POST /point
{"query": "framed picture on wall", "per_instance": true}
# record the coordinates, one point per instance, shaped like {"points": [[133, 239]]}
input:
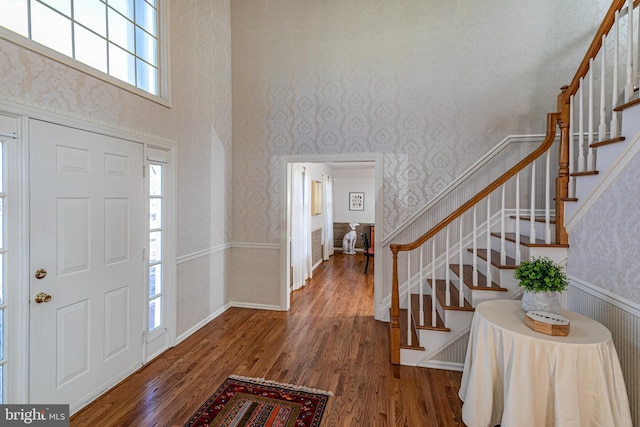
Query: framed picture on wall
{"points": [[356, 201], [316, 198]]}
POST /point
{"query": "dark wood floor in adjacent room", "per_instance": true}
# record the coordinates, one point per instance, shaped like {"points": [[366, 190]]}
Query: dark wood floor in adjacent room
{"points": [[328, 340]]}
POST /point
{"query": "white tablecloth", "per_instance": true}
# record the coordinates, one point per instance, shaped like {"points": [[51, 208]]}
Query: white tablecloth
{"points": [[516, 377]]}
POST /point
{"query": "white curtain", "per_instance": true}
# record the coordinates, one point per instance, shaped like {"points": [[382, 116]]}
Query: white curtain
{"points": [[300, 226], [327, 217]]}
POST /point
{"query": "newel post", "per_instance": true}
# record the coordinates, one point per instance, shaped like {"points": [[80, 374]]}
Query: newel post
{"points": [[394, 333], [562, 181]]}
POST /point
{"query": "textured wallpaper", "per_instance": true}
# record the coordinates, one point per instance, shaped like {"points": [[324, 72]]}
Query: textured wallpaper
{"points": [[431, 85], [199, 121], [605, 243]]}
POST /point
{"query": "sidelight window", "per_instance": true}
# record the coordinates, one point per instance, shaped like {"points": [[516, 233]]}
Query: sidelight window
{"points": [[156, 290]]}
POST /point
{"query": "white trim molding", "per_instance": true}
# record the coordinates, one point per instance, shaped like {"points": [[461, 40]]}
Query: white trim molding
{"points": [[203, 253], [603, 294], [186, 334], [255, 306]]}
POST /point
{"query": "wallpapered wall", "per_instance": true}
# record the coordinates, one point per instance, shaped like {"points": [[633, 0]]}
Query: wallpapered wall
{"points": [[604, 243], [432, 85], [199, 122]]}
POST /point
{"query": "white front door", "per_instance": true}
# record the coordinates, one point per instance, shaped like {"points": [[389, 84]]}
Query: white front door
{"points": [[87, 232]]}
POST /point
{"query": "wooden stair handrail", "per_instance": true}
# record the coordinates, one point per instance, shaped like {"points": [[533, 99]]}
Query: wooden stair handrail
{"points": [[552, 119], [596, 44], [560, 118], [394, 312]]}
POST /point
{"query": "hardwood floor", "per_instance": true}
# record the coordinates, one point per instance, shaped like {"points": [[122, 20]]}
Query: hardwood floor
{"points": [[328, 340]]}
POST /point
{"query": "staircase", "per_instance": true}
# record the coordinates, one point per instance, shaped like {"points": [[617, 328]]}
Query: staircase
{"points": [[470, 255]]}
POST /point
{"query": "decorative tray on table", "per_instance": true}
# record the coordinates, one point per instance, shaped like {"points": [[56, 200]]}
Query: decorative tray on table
{"points": [[547, 323]]}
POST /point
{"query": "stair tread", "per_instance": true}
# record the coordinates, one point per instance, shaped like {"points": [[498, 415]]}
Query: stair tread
{"points": [[607, 141], [467, 273], [585, 173], [536, 219], [524, 240], [627, 104], [403, 332], [441, 296], [427, 307], [495, 259]]}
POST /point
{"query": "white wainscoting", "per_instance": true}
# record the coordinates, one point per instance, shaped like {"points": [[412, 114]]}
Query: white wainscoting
{"points": [[622, 318]]}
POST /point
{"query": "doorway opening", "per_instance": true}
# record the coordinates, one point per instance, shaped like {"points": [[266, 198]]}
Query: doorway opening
{"points": [[359, 175]]}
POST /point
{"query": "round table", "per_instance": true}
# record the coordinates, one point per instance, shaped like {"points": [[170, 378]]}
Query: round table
{"points": [[515, 376]]}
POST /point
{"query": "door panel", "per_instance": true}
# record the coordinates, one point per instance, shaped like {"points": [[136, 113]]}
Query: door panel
{"points": [[87, 232]]}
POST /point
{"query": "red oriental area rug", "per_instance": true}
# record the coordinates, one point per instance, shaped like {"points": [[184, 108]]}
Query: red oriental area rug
{"points": [[255, 402]]}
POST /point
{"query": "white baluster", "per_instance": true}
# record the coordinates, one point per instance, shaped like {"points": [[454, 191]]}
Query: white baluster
{"points": [[488, 274], [517, 244], [572, 148], [628, 89], [421, 287], [547, 201], [447, 286], [581, 159], [503, 240], [613, 130], [637, 61], [460, 268], [409, 335], [590, 159], [602, 129], [475, 247], [532, 218], [433, 283]]}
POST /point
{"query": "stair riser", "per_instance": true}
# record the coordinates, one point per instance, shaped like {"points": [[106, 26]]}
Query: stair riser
{"points": [[501, 276], [631, 121], [457, 319], [585, 184], [525, 227], [510, 248], [475, 297], [435, 341], [607, 155], [558, 255]]}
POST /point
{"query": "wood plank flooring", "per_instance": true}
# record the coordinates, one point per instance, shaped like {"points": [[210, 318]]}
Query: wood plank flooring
{"points": [[328, 340]]}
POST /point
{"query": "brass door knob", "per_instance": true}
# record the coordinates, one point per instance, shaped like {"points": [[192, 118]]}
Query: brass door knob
{"points": [[42, 297], [41, 273]]}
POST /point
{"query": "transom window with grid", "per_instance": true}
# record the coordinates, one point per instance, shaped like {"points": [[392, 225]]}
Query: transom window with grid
{"points": [[117, 37]]}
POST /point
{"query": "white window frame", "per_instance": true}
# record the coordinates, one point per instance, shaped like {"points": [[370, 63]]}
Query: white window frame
{"points": [[16, 267], [5, 241], [158, 339], [163, 97]]}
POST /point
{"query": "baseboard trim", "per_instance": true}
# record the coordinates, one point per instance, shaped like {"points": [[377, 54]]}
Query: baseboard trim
{"points": [[186, 334], [255, 306], [437, 364]]}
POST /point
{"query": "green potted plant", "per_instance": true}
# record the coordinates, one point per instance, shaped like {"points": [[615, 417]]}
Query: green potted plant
{"points": [[542, 280]]}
